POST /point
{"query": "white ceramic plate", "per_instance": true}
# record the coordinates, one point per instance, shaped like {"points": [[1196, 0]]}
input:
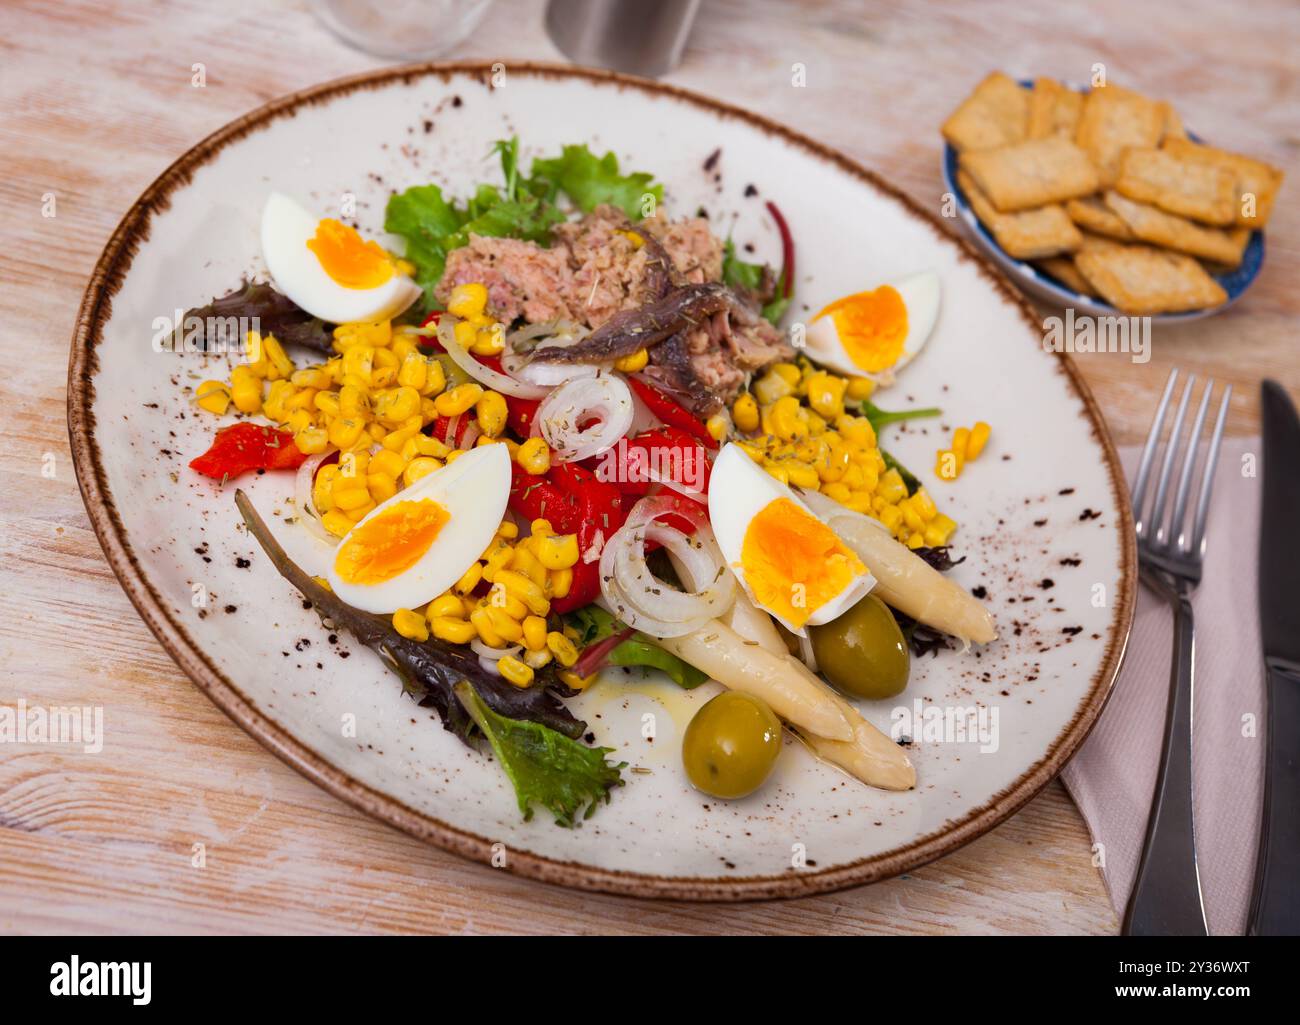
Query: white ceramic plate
{"points": [[1044, 517]]}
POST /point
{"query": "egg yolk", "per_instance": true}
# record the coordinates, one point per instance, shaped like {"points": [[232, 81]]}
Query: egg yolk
{"points": [[391, 543], [872, 327], [349, 259], [793, 563]]}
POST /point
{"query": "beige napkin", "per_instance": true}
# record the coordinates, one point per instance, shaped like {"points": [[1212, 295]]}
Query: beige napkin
{"points": [[1112, 778]]}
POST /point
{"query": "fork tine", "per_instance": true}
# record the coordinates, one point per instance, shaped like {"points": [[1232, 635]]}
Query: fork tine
{"points": [[1197, 545], [1177, 528], [1167, 465], [1149, 451]]}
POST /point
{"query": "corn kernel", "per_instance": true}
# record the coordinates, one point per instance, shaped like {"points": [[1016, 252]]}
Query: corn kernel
{"points": [[576, 682], [860, 388], [515, 671], [716, 425], [387, 462], [489, 341], [212, 396], [891, 516], [500, 598], [280, 364], [836, 491], [534, 456], [344, 432], [535, 658], [559, 551], [924, 504], [396, 406], [562, 648], [454, 631], [311, 440], [446, 604], [336, 522], [979, 437], [467, 300], [381, 486], [859, 501], [414, 371], [245, 389], [469, 579], [801, 475], [526, 590], [458, 400], [534, 632], [744, 411], [946, 465], [788, 372], [491, 412], [419, 467], [826, 393], [915, 541], [410, 625], [960, 439], [508, 529], [527, 564], [559, 583], [770, 387], [486, 632], [360, 513], [634, 362], [348, 495]]}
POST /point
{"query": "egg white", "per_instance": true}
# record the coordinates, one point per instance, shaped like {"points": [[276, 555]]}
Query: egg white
{"points": [[920, 294], [286, 229], [739, 489], [474, 490]]}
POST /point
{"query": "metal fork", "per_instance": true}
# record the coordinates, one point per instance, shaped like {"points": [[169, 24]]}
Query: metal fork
{"points": [[1166, 898]]}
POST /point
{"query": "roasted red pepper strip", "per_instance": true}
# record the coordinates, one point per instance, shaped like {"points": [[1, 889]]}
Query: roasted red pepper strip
{"points": [[786, 281], [242, 447], [574, 501], [665, 449], [520, 414], [671, 412]]}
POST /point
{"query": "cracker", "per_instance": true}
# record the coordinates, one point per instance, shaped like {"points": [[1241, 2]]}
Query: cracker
{"points": [[1026, 235], [1251, 176], [1063, 269], [1240, 238], [1053, 109], [1031, 173], [993, 115], [1143, 281], [1151, 224], [1113, 119], [1173, 124], [1190, 188], [1094, 215]]}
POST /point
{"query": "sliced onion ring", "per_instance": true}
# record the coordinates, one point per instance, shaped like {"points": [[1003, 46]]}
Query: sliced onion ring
{"points": [[641, 599], [561, 332], [606, 397], [485, 375], [486, 651], [303, 485]]}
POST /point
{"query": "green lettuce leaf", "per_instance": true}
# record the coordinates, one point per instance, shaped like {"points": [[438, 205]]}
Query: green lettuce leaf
{"points": [[564, 776], [640, 650], [595, 624], [751, 277], [423, 217], [589, 180]]}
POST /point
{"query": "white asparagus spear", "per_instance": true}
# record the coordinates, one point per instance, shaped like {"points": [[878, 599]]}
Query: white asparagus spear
{"points": [[904, 580], [794, 693], [870, 756]]}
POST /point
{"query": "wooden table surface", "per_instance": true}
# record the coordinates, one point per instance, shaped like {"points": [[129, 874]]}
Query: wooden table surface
{"points": [[98, 100]]}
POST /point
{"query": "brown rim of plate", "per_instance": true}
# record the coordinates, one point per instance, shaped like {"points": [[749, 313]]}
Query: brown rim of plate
{"points": [[109, 273]]}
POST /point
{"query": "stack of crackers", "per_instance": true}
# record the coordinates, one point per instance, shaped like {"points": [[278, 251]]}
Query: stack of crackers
{"points": [[1106, 193]]}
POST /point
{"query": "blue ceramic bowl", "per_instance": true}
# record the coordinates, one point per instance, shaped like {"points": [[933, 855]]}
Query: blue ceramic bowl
{"points": [[1045, 287]]}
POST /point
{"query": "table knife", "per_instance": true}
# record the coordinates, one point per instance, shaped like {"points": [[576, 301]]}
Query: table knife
{"points": [[1275, 909]]}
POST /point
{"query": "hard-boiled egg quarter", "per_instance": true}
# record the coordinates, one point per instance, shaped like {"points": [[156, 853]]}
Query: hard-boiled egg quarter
{"points": [[418, 543], [328, 269], [875, 334], [789, 562]]}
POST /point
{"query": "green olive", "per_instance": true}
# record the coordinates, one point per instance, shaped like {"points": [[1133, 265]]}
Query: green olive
{"points": [[863, 652], [451, 370], [731, 745]]}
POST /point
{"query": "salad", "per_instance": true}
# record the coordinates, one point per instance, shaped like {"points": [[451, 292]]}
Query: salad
{"points": [[561, 431]]}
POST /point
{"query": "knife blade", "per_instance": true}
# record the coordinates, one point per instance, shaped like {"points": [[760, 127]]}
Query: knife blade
{"points": [[1275, 908]]}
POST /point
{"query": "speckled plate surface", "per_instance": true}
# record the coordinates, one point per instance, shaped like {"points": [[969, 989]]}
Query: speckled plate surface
{"points": [[1044, 520]]}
